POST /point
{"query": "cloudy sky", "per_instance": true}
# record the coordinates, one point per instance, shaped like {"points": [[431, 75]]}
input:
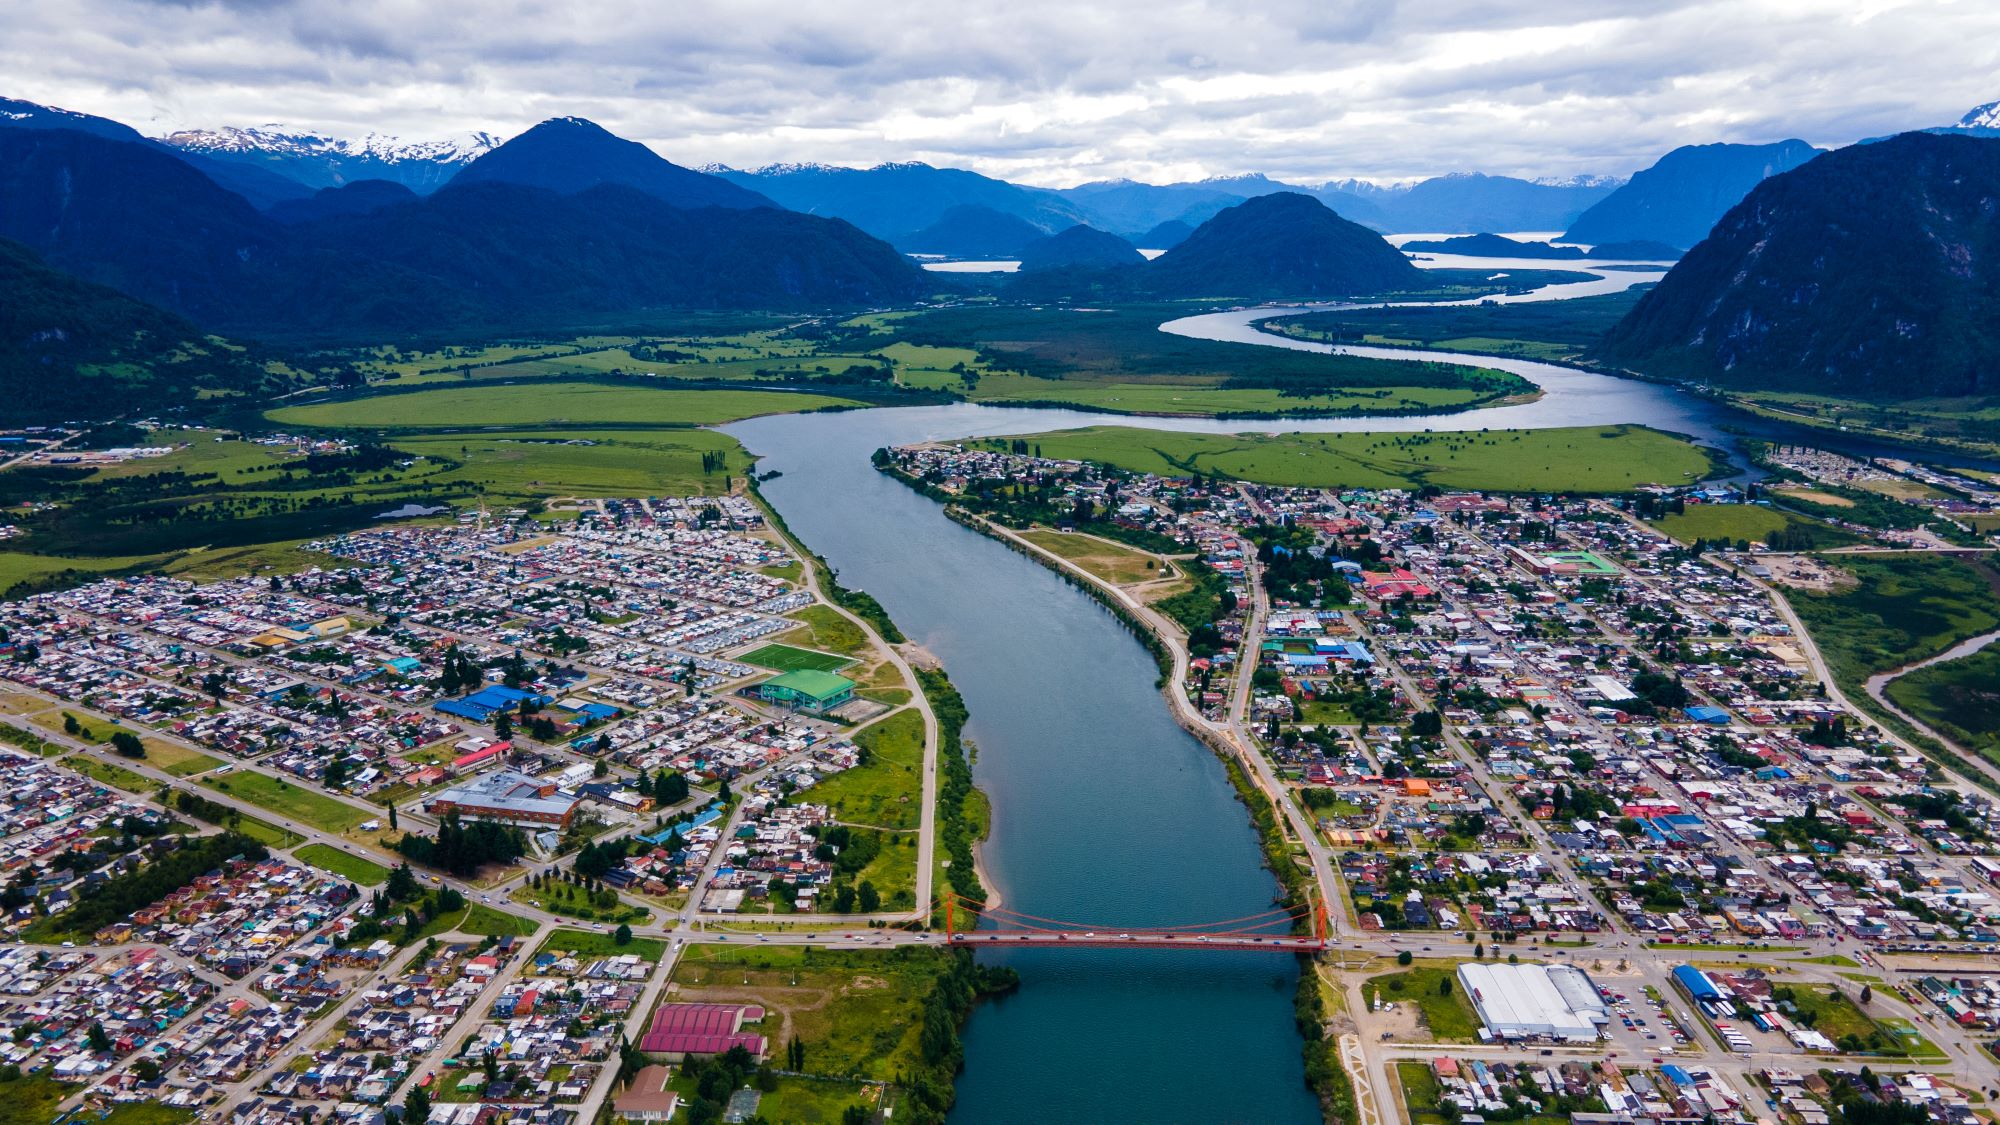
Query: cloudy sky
{"points": [[1053, 92]]}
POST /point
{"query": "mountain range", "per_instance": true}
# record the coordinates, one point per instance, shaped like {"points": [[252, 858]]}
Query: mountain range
{"points": [[320, 161], [1681, 196], [257, 185], [601, 237], [1871, 271]]}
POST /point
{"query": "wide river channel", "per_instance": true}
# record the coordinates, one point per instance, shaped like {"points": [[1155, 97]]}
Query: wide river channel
{"points": [[1104, 810]]}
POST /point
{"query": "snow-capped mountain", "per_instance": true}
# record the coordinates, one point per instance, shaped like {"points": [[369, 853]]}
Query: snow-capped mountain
{"points": [[1982, 117], [320, 161], [1579, 181]]}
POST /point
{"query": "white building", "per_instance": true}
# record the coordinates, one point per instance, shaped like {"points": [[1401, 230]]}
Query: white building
{"points": [[1535, 1001]]}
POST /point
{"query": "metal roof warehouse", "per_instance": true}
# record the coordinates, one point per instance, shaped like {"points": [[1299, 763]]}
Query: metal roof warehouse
{"points": [[1535, 1001]]}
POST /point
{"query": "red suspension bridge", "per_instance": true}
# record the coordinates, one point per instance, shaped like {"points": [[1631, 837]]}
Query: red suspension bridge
{"points": [[1282, 929]]}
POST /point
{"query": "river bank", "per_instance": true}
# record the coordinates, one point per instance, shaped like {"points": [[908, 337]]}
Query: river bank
{"points": [[1105, 811], [1325, 1073]]}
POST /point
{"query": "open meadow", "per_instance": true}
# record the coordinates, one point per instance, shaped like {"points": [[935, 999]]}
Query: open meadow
{"points": [[1581, 459]]}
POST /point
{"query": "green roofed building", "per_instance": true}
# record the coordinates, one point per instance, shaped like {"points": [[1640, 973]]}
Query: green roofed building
{"points": [[807, 690]]}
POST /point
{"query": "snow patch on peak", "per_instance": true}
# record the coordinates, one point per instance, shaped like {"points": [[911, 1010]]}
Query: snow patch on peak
{"points": [[284, 140], [794, 168], [1583, 181], [1982, 117]]}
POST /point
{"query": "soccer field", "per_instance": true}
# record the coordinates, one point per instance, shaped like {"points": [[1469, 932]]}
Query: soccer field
{"points": [[785, 658]]}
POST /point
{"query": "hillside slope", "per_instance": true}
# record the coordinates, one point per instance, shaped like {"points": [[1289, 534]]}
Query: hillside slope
{"points": [[1681, 196], [1871, 271], [1282, 245], [568, 155], [71, 349]]}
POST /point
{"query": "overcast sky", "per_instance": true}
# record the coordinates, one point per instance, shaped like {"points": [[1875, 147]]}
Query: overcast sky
{"points": [[1052, 92]]}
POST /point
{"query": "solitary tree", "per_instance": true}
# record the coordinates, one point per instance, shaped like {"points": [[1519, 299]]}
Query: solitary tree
{"points": [[417, 1106], [1404, 957]]}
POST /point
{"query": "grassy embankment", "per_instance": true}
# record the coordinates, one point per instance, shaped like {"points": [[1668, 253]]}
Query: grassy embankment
{"points": [[1579, 459], [1113, 562]]}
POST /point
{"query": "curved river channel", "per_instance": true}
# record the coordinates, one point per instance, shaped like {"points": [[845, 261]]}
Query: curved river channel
{"points": [[1105, 811]]}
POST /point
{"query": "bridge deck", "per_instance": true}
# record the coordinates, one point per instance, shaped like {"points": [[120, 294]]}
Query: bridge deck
{"points": [[1258, 943]]}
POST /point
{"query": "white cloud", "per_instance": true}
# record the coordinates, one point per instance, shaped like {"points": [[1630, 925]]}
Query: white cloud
{"points": [[1051, 92]]}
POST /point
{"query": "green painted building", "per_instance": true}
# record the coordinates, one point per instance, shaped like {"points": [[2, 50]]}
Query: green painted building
{"points": [[807, 690]]}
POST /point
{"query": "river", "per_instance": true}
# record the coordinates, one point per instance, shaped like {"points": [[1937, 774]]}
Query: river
{"points": [[1105, 811]]}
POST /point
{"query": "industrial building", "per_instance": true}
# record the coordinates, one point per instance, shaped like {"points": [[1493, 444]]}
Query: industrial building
{"points": [[1535, 1001], [507, 797]]}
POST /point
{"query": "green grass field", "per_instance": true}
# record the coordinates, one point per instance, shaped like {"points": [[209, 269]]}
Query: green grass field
{"points": [[115, 776], [1198, 401], [832, 631], [488, 922], [1450, 1017], [289, 800], [574, 902], [850, 1025], [1832, 1014], [20, 566], [263, 830], [178, 760], [1110, 561], [1581, 459], [351, 867], [785, 658], [1958, 698], [1901, 608], [1751, 522], [586, 944], [532, 405], [32, 1099], [884, 792]]}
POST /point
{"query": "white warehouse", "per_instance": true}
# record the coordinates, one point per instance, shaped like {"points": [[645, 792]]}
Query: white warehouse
{"points": [[1535, 1001]]}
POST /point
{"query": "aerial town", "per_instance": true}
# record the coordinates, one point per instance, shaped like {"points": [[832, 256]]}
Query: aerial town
{"points": [[1586, 799], [290, 848]]}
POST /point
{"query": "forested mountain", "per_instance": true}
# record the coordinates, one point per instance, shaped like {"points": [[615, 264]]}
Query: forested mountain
{"points": [[1871, 271], [1165, 236], [137, 219], [1468, 201], [1079, 246], [1281, 245], [971, 231], [70, 349], [569, 154], [1500, 246], [1493, 246], [893, 200], [1681, 196], [357, 198]]}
